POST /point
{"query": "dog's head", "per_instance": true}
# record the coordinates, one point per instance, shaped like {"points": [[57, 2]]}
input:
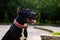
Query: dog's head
{"points": [[26, 16]]}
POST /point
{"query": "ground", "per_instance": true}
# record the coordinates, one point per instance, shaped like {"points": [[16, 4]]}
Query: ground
{"points": [[33, 34]]}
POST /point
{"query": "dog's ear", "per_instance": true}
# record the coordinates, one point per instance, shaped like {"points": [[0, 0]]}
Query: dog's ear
{"points": [[19, 9]]}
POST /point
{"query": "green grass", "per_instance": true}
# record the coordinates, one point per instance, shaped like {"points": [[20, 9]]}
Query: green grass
{"points": [[56, 33]]}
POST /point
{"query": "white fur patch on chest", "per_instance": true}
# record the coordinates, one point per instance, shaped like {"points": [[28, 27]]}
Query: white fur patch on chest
{"points": [[22, 37]]}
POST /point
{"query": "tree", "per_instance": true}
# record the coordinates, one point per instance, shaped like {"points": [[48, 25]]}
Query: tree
{"points": [[47, 9]]}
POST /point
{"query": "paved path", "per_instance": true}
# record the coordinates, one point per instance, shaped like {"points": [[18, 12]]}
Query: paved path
{"points": [[33, 34], [55, 29]]}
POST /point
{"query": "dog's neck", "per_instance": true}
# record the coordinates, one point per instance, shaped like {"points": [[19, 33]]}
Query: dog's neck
{"points": [[20, 20], [20, 25]]}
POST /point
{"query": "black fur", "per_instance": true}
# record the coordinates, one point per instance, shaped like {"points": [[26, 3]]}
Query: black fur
{"points": [[14, 33]]}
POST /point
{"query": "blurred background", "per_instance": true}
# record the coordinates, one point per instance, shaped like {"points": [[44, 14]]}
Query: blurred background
{"points": [[48, 11]]}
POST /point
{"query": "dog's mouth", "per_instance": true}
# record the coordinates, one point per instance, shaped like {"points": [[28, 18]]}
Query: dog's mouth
{"points": [[32, 21]]}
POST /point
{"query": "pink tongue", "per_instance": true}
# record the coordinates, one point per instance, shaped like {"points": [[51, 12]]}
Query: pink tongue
{"points": [[34, 21]]}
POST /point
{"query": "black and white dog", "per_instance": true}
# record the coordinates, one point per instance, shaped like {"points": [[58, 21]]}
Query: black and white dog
{"points": [[18, 30]]}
